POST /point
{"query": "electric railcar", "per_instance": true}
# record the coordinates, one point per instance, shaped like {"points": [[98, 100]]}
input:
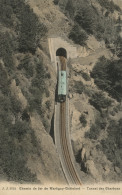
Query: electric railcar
{"points": [[62, 86]]}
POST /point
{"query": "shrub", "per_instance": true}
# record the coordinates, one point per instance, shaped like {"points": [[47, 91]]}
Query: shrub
{"points": [[4, 81], [83, 120], [27, 65], [112, 144], [7, 48], [78, 36], [99, 30], [96, 128], [34, 139], [35, 100], [13, 162], [114, 131], [107, 75], [6, 13], [13, 159], [99, 101], [48, 104], [70, 10], [46, 124], [109, 5], [118, 46], [93, 134], [79, 87], [56, 2], [85, 76], [91, 20], [31, 31], [85, 17], [19, 130], [16, 105]]}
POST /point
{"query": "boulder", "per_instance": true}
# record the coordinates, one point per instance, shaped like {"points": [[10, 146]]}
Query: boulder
{"points": [[92, 170], [117, 170]]}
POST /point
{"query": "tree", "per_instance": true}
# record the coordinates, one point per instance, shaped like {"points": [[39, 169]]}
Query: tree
{"points": [[107, 75], [78, 35], [30, 32], [85, 17]]}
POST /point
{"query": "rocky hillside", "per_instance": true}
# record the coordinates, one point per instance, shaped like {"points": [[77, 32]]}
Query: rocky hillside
{"points": [[27, 88]]}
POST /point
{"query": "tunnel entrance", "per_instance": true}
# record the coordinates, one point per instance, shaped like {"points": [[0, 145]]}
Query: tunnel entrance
{"points": [[61, 52]]}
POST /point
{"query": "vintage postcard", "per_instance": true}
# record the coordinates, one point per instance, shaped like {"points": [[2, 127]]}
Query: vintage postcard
{"points": [[60, 97]]}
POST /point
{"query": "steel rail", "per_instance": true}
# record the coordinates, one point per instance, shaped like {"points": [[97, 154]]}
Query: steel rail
{"points": [[63, 138], [65, 148]]}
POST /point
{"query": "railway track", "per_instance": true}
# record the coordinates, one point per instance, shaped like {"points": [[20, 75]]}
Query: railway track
{"points": [[63, 138], [65, 149]]}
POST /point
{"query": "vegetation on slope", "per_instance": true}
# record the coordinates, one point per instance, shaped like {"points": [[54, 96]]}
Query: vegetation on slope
{"points": [[109, 5], [97, 19], [78, 35], [112, 145], [20, 35], [107, 75], [90, 20], [19, 17]]}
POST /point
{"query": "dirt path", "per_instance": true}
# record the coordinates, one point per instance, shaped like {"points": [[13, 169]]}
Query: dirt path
{"points": [[93, 57]]}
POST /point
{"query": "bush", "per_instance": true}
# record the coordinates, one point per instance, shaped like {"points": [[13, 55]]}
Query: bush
{"points": [[85, 17], [13, 158], [99, 101], [56, 2], [96, 128], [31, 31], [111, 146], [22, 34], [46, 124], [48, 104], [93, 134], [118, 47], [16, 105], [19, 130], [109, 5], [91, 19], [27, 65], [7, 48], [4, 81], [78, 36], [99, 30], [83, 120], [79, 87], [35, 99], [6, 13], [13, 162], [107, 76], [85, 76], [21, 17]]}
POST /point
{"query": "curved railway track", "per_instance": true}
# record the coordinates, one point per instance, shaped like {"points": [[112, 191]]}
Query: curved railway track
{"points": [[63, 138], [65, 149]]}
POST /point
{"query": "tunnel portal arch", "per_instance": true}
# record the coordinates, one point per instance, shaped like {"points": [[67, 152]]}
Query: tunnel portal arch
{"points": [[61, 52]]}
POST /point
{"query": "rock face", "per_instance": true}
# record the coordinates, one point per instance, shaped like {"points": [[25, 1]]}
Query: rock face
{"points": [[91, 169], [89, 152], [47, 165], [51, 16], [28, 100]]}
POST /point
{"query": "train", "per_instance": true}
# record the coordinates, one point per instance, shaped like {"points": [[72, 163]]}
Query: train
{"points": [[62, 86]]}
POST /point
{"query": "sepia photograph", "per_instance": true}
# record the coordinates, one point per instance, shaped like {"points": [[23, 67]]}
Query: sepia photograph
{"points": [[61, 97]]}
